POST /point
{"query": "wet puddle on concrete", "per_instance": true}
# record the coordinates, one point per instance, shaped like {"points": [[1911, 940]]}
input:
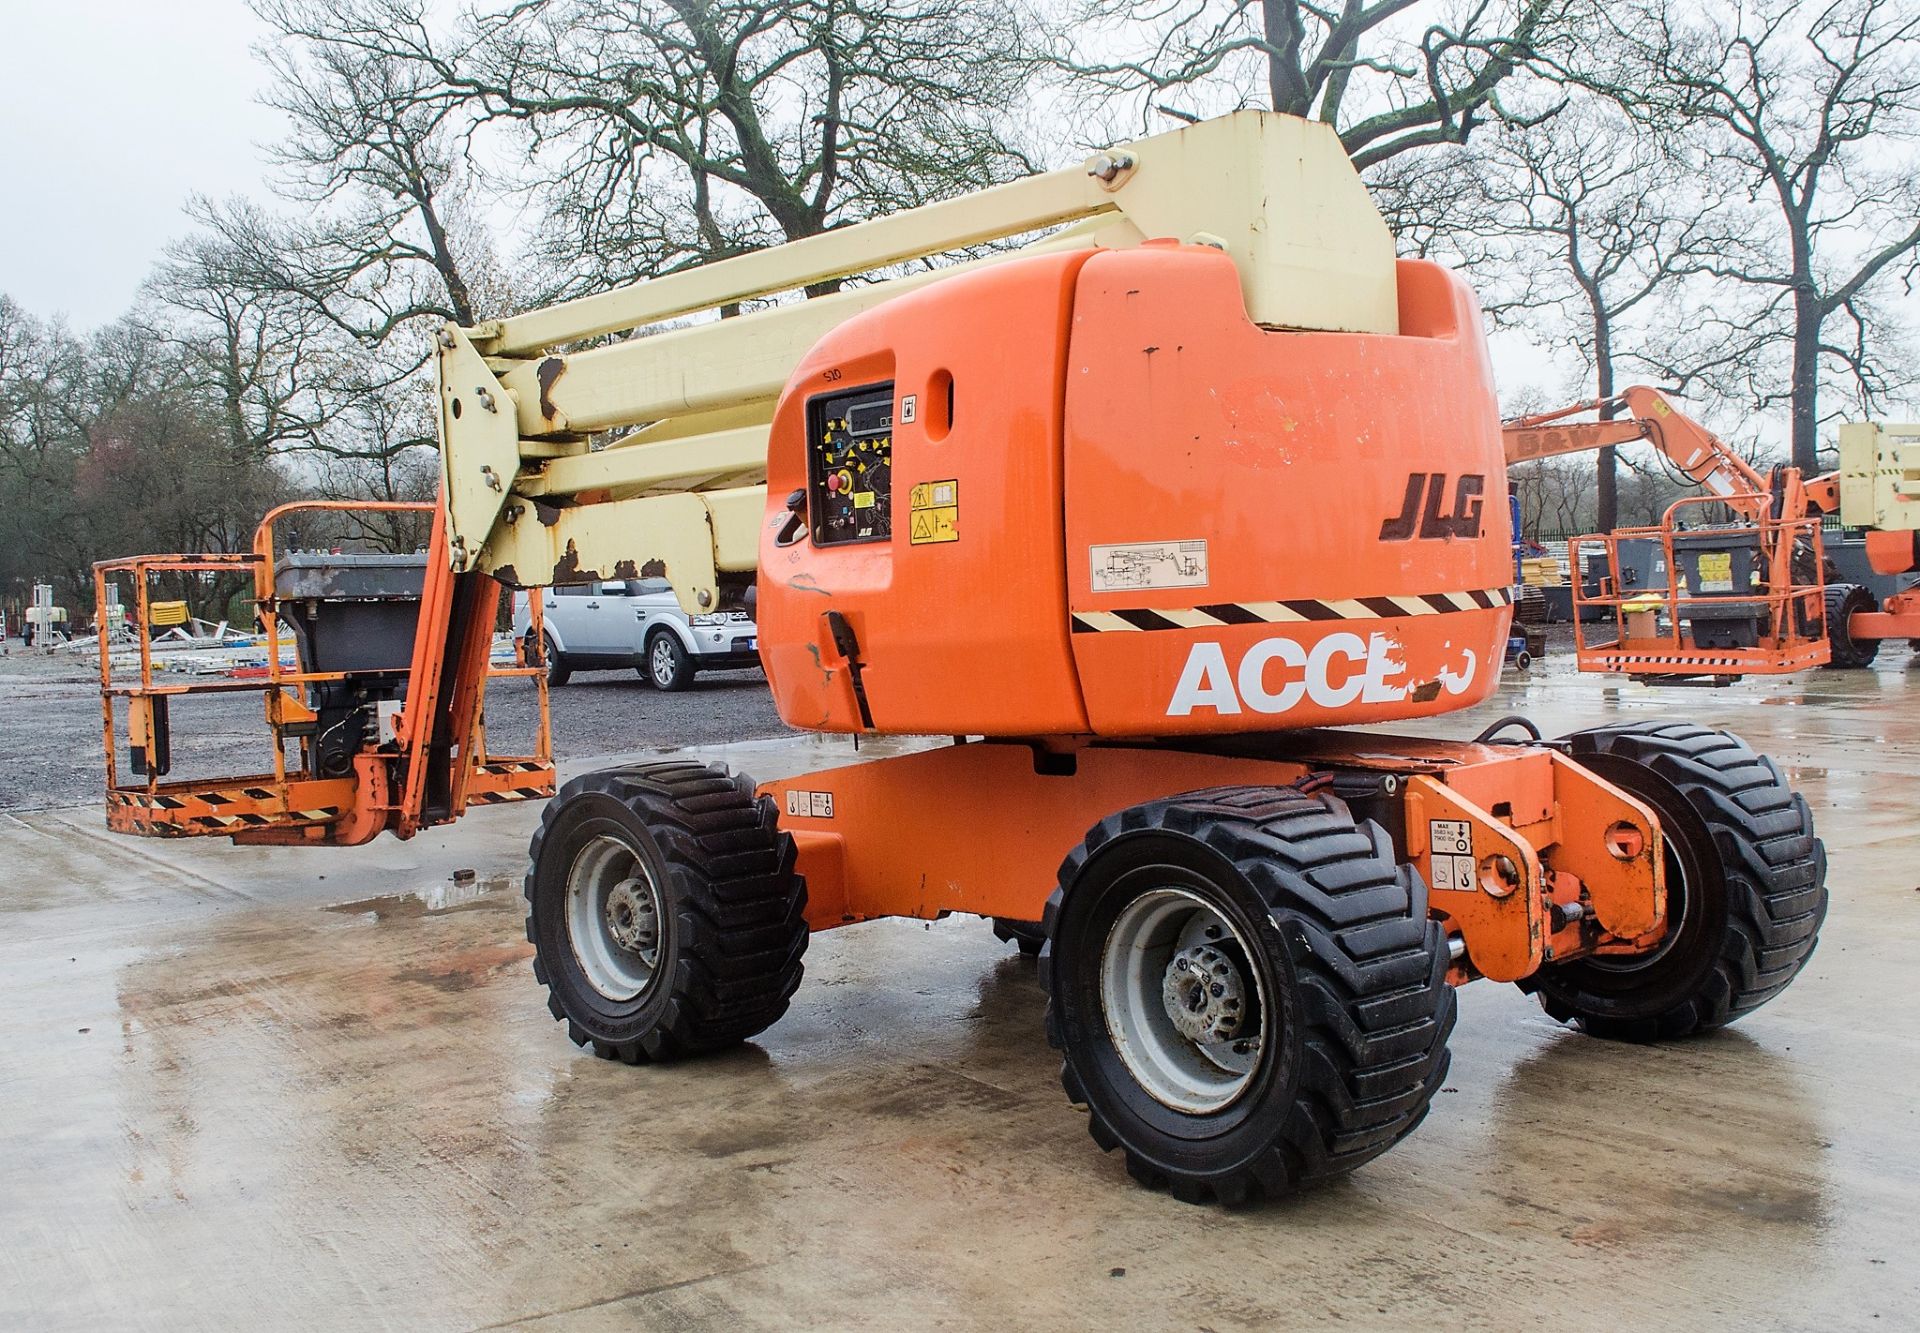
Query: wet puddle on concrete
{"points": [[456, 894]]}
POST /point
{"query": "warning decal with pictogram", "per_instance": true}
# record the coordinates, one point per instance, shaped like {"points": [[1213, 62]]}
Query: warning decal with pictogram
{"points": [[935, 510]]}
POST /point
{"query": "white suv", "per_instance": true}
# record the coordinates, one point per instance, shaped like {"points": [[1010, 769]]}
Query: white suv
{"points": [[635, 623]]}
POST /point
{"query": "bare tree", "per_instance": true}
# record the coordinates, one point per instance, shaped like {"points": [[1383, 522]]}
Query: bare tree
{"points": [[375, 151], [1390, 75], [1818, 108], [674, 132], [1553, 495], [259, 348], [314, 326], [44, 382], [1583, 226], [110, 446]]}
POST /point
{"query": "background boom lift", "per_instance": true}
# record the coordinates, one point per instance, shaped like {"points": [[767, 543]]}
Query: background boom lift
{"points": [[1752, 596], [1128, 517]]}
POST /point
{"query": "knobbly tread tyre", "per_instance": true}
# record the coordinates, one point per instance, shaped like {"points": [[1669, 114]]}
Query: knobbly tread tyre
{"points": [[1347, 927], [1764, 898], [1847, 652], [736, 905], [1028, 936]]}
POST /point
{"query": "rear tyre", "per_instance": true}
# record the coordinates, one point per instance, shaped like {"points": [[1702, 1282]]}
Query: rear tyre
{"points": [[558, 672], [1746, 887], [1849, 653], [1247, 991], [668, 667], [1030, 936], [665, 913]]}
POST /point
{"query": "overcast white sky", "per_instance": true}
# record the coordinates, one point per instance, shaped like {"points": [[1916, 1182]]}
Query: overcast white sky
{"points": [[113, 112]]}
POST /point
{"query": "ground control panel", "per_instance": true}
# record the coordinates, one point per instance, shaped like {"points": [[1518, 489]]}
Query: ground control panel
{"points": [[850, 465]]}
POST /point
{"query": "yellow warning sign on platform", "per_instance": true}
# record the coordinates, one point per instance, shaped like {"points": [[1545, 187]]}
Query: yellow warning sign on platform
{"points": [[1716, 571], [934, 512]]}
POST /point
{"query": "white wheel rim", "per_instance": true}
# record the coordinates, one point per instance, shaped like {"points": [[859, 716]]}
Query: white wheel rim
{"points": [[1187, 1014], [662, 661], [614, 918]]}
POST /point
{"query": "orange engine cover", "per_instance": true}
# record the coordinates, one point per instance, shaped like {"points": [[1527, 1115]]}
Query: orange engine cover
{"points": [[1081, 493]]}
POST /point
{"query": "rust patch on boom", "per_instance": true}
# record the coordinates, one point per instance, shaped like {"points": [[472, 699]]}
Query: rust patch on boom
{"points": [[549, 371], [567, 568]]}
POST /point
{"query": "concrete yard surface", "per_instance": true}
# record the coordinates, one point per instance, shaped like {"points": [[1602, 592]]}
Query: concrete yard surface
{"points": [[320, 1089]]}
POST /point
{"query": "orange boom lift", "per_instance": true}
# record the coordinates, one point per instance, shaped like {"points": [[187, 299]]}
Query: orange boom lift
{"points": [[1124, 522], [1750, 596]]}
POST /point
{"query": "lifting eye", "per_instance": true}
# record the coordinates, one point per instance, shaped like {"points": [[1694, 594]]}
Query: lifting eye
{"points": [[1624, 841]]}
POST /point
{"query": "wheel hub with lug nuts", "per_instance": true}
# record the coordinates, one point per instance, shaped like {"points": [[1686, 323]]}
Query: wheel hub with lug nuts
{"points": [[1187, 1014], [632, 919], [1204, 995]]}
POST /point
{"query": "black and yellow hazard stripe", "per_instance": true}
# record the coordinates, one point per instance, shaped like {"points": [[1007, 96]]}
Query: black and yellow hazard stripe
{"points": [[1294, 612]]}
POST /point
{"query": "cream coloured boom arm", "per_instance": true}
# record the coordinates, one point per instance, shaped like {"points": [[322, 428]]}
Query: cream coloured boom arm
{"points": [[681, 493]]}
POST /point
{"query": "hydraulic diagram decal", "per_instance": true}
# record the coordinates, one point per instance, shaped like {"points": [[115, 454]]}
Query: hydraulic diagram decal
{"points": [[935, 507], [1135, 566]]}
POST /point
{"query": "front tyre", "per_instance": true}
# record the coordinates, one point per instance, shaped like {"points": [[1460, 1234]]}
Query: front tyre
{"points": [[666, 915], [1746, 887], [1247, 992], [669, 666]]}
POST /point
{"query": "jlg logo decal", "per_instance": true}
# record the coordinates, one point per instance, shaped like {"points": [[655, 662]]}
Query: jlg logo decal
{"points": [[1462, 521], [1276, 674]]}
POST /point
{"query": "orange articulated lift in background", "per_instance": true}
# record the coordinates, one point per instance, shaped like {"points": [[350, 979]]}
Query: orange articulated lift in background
{"points": [[1748, 597], [1128, 518]]}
